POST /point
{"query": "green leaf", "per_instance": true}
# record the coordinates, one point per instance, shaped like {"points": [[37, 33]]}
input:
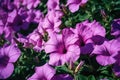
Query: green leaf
{"points": [[80, 77], [68, 23], [63, 69], [91, 77]]}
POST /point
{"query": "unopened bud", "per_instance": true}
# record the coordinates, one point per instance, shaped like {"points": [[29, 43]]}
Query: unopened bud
{"points": [[103, 14], [79, 66], [71, 65], [64, 9]]}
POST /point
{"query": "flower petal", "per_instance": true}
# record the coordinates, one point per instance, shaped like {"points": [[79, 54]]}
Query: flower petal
{"points": [[55, 59], [105, 60], [73, 7], [7, 71], [13, 52]]}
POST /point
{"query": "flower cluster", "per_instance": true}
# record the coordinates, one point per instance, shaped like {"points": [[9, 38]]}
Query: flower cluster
{"points": [[63, 45]]}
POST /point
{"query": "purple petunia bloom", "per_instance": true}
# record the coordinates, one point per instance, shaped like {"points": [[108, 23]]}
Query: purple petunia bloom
{"points": [[115, 30], [107, 51], [53, 20], [89, 34], [62, 47], [20, 19], [45, 72], [75, 4], [8, 56], [35, 38], [116, 67]]}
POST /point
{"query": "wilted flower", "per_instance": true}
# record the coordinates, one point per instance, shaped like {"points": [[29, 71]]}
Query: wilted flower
{"points": [[8, 56], [62, 47], [115, 29], [75, 4]]}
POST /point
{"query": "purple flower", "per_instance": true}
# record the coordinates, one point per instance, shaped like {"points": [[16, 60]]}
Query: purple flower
{"points": [[53, 20], [8, 33], [18, 3], [3, 17], [89, 34], [75, 4], [8, 56], [20, 19], [116, 66], [3, 20], [62, 47], [107, 51], [45, 72], [7, 5], [115, 29], [62, 77], [53, 4], [35, 38]]}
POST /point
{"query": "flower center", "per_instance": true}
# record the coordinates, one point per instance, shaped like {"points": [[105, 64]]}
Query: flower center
{"points": [[61, 48], [64, 50], [82, 44], [4, 61]]}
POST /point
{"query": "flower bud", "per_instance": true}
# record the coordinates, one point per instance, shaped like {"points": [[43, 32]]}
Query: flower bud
{"points": [[79, 66]]}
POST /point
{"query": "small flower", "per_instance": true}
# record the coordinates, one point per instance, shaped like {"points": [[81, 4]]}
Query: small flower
{"points": [[8, 56]]}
